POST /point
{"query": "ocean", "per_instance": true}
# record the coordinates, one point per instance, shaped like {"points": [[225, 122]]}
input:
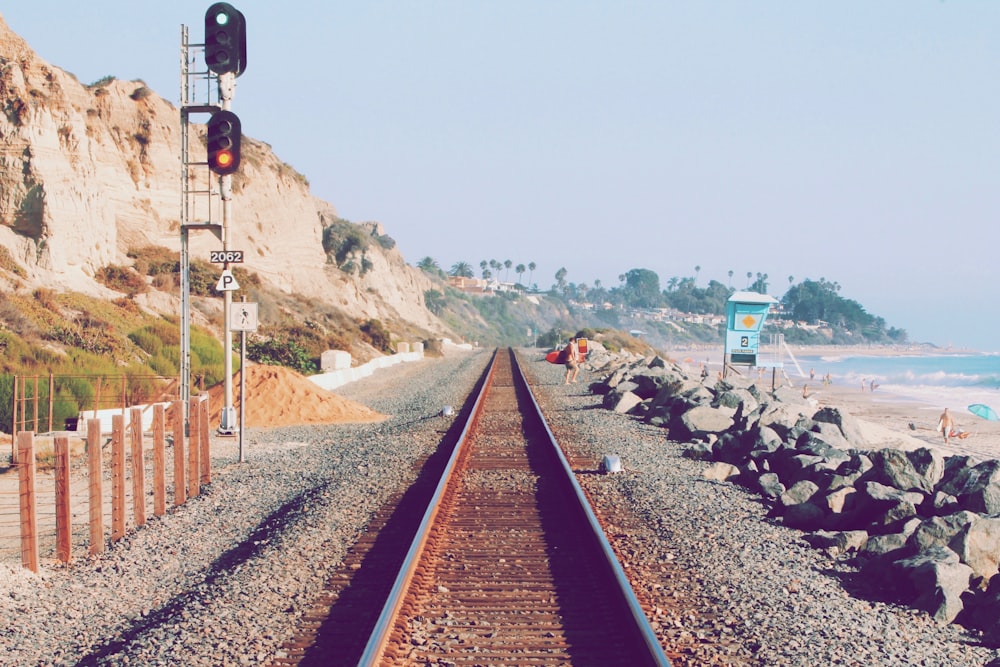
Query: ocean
{"points": [[946, 380]]}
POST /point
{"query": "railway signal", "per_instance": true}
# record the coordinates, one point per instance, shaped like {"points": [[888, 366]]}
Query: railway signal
{"points": [[225, 39], [224, 132]]}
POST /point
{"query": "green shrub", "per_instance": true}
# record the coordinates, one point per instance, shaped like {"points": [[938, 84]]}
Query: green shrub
{"points": [[163, 365], [7, 262], [121, 279], [280, 352], [377, 335], [153, 260], [147, 341]]}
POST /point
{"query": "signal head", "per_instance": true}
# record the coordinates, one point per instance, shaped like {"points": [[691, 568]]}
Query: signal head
{"points": [[223, 143], [225, 39]]}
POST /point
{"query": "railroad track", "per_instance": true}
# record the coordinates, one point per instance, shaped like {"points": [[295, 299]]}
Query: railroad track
{"points": [[508, 565]]}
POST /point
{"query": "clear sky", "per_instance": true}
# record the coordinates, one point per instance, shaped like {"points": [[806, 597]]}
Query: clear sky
{"points": [[856, 141]]}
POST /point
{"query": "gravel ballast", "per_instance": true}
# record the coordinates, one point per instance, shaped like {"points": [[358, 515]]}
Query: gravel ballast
{"points": [[224, 579]]}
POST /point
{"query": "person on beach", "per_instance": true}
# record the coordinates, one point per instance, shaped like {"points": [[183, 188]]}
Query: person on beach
{"points": [[945, 424], [572, 361]]}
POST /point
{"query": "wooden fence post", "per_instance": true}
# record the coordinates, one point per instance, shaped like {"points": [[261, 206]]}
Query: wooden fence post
{"points": [[138, 468], [206, 456], [177, 414], [117, 477], [194, 448], [159, 462], [64, 529], [13, 421], [96, 486], [35, 404], [29, 508], [52, 396]]}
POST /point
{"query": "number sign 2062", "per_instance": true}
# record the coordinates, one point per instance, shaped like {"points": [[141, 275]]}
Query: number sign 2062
{"points": [[225, 256]]}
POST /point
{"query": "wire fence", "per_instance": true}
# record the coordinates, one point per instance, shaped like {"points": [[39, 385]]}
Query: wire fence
{"points": [[72, 496], [49, 403]]}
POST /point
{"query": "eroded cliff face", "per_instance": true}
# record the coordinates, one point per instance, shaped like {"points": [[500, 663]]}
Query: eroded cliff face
{"points": [[89, 172]]}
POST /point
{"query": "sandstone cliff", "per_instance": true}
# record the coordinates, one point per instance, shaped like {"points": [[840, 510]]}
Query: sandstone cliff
{"points": [[91, 171]]}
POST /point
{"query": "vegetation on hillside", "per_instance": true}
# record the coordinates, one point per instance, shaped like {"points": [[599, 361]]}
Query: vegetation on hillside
{"points": [[94, 351], [826, 315]]}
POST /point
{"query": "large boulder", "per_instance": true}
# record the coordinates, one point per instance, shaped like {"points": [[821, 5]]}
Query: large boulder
{"points": [[977, 543], [788, 421], [830, 435], [799, 510], [893, 545], [649, 382], [896, 468], [845, 424], [956, 471], [936, 581], [614, 394], [792, 466], [938, 531], [978, 488], [770, 486], [733, 448], [700, 421], [720, 472], [623, 403], [880, 508]]}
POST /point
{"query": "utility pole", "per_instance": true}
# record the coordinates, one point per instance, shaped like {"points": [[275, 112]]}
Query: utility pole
{"points": [[225, 56]]}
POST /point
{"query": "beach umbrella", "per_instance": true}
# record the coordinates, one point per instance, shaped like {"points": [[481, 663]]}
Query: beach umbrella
{"points": [[984, 411]]}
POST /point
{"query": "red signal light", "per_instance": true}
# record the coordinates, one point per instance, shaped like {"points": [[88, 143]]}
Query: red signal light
{"points": [[223, 142]]}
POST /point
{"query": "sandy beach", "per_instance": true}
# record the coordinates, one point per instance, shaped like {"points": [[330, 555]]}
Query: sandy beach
{"points": [[883, 407], [897, 413]]}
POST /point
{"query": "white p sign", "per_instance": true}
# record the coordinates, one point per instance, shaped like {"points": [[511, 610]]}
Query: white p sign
{"points": [[227, 282]]}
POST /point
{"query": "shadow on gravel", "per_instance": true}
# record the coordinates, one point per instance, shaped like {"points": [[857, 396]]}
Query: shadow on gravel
{"points": [[274, 524]]}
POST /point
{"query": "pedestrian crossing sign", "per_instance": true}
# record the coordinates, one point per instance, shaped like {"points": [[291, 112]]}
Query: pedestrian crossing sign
{"points": [[243, 316]]}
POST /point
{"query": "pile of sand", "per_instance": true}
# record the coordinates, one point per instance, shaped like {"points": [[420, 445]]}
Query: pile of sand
{"points": [[278, 396]]}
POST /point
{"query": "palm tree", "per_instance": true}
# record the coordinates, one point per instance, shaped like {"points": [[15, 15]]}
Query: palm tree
{"points": [[730, 279], [749, 276], [697, 271], [561, 278], [507, 264], [531, 268], [462, 269], [519, 270], [482, 266], [429, 264]]}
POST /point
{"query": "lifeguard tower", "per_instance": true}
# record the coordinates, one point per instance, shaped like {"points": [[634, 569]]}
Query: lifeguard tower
{"points": [[745, 316]]}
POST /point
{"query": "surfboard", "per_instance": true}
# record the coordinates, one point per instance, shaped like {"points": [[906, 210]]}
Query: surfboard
{"points": [[553, 357]]}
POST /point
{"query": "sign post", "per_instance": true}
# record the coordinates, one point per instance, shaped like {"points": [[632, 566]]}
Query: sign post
{"points": [[244, 319]]}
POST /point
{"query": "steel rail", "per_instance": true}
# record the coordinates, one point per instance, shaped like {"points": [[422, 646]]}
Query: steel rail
{"points": [[642, 622], [383, 626]]}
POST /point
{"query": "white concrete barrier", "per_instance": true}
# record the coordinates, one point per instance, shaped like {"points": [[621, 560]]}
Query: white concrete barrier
{"points": [[407, 352], [338, 378], [105, 417]]}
